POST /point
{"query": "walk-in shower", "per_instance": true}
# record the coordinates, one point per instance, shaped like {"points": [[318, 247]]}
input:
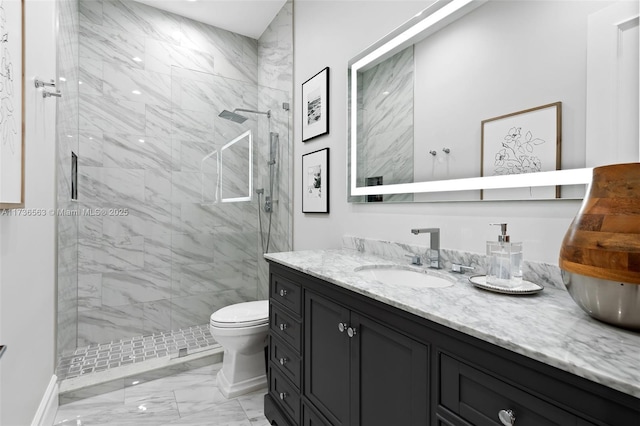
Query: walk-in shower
{"points": [[141, 284]]}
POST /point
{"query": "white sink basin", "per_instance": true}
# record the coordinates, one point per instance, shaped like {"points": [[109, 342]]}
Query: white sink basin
{"points": [[400, 276]]}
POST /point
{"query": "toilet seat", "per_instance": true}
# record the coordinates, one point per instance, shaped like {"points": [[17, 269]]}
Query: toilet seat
{"points": [[241, 315]]}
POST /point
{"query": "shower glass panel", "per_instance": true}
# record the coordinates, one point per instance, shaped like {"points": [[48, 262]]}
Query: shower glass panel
{"points": [[218, 165]]}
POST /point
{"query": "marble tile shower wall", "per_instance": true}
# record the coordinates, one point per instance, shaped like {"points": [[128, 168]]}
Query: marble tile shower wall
{"points": [[152, 86], [275, 78], [67, 141], [386, 88]]}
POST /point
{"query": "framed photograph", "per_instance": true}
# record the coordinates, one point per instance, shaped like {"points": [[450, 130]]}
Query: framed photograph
{"points": [[526, 141], [12, 104], [315, 182], [315, 104]]}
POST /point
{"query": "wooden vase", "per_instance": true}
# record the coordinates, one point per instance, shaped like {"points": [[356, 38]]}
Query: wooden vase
{"points": [[603, 240]]}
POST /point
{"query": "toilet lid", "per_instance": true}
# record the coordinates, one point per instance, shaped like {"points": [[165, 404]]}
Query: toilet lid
{"points": [[244, 314]]}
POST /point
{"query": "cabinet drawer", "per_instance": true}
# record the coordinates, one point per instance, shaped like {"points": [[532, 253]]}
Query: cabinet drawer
{"points": [[286, 395], [273, 412], [285, 327], [285, 360], [311, 418], [478, 398], [286, 293]]}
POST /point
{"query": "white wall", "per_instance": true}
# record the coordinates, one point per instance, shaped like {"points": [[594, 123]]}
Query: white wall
{"points": [[328, 33], [27, 244]]}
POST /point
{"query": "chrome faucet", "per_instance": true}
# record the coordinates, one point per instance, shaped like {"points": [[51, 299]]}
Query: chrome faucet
{"points": [[434, 247]]}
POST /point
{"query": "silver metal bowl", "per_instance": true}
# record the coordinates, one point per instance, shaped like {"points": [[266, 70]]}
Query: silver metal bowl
{"points": [[613, 302]]}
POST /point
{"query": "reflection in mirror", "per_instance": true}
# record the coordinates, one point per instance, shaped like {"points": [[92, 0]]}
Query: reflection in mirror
{"points": [[236, 171], [210, 169], [418, 97]]}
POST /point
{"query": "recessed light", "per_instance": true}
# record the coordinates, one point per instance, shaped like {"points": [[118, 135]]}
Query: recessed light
{"points": [[137, 59], [62, 79], [136, 92], [141, 140]]}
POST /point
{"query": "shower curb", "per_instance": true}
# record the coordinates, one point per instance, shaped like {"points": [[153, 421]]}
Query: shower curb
{"points": [[98, 383]]}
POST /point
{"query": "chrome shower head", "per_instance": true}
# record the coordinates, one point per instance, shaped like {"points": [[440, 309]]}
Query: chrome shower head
{"points": [[236, 118]]}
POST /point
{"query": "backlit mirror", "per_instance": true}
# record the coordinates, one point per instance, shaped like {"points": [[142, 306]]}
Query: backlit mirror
{"points": [[466, 78]]}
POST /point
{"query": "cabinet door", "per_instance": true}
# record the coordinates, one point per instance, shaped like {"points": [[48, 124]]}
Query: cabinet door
{"points": [[326, 358], [389, 376]]}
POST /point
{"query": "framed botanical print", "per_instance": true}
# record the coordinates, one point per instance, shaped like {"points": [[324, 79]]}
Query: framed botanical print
{"points": [[527, 141], [12, 104]]}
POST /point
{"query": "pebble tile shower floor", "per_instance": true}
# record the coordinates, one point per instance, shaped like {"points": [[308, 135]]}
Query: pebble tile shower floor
{"points": [[101, 357]]}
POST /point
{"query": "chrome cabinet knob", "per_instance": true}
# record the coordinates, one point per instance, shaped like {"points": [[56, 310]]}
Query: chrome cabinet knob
{"points": [[351, 331], [283, 361], [283, 395], [342, 326], [507, 417], [283, 326], [283, 292]]}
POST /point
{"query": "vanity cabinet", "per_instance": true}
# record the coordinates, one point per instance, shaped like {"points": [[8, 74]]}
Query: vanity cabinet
{"points": [[360, 372], [339, 358]]}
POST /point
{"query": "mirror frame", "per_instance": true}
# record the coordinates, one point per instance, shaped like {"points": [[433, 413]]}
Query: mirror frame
{"points": [[425, 23]]}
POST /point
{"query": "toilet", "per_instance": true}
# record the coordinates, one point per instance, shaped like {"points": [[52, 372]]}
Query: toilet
{"points": [[241, 330]]}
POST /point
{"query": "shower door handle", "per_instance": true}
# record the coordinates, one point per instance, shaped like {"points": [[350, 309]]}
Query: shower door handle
{"points": [[2, 349]]}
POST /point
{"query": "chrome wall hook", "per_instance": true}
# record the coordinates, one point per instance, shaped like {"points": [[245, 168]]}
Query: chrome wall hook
{"points": [[41, 83], [446, 150], [432, 152], [46, 94]]}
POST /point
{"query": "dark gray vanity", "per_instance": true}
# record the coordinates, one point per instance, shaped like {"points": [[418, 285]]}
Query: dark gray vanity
{"points": [[338, 356]]}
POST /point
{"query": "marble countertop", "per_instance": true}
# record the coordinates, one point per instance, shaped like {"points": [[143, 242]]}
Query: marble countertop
{"points": [[548, 327]]}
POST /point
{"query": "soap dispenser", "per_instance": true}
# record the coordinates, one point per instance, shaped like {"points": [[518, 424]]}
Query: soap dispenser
{"points": [[504, 260]]}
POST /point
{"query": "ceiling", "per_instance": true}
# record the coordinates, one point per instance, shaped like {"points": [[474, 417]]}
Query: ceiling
{"points": [[246, 17]]}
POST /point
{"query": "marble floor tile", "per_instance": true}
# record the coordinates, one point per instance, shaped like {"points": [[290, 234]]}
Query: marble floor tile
{"points": [[189, 398]]}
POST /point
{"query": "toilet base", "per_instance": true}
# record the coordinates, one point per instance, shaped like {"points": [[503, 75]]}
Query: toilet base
{"points": [[230, 390]]}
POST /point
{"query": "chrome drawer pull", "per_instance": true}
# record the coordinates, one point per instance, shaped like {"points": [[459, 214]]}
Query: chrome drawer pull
{"points": [[283, 326], [351, 331], [283, 361], [283, 395], [342, 326], [283, 292], [507, 417]]}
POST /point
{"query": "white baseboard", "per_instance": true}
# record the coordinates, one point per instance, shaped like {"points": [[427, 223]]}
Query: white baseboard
{"points": [[48, 408]]}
